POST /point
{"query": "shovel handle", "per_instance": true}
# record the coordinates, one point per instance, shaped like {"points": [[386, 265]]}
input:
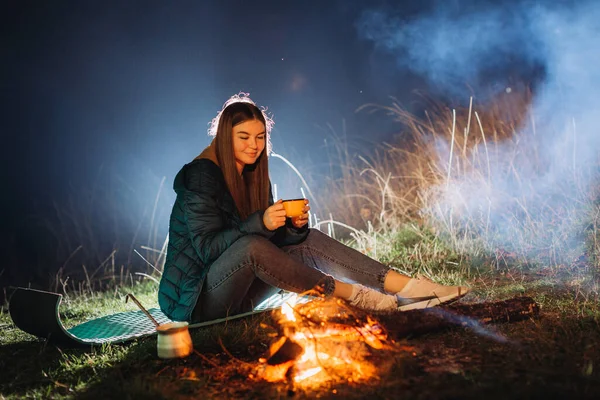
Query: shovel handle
{"points": [[129, 295]]}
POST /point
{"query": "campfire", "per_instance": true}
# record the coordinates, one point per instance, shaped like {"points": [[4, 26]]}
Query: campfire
{"points": [[320, 341], [325, 340]]}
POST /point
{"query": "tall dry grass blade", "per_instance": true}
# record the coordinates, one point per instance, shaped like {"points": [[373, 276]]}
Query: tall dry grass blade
{"points": [[330, 227], [134, 239], [112, 254], [468, 128], [58, 276], [87, 277], [152, 232], [147, 248], [451, 149], [285, 160], [147, 262], [487, 155], [148, 276], [316, 221], [318, 224], [163, 255]]}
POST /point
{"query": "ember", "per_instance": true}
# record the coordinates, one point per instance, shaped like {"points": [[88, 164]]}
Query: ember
{"points": [[322, 340]]}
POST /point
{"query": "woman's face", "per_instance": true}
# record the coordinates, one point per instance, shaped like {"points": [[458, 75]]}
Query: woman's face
{"points": [[249, 140]]}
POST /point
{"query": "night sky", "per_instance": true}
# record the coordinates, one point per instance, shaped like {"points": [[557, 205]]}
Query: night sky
{"points": [[120, 93]]}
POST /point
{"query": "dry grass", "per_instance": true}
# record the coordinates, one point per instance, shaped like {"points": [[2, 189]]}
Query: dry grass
{"points": [[392, 183], [480, 176]]}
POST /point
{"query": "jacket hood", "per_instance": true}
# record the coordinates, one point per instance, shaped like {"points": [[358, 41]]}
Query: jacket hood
{"points": [[209, 153]]}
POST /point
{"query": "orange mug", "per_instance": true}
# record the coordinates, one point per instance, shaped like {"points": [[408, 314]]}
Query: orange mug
{"points": [[293, 207]]}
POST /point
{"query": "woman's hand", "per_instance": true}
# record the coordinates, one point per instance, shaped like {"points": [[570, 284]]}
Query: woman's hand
{"points": [[274, 216], [302, 220]]}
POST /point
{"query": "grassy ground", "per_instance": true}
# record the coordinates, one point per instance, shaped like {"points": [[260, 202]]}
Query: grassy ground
{"points": [[554, 355]]}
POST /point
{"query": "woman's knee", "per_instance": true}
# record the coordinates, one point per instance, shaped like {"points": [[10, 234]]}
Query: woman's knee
{"points": [[253, 243], [317, 235]]}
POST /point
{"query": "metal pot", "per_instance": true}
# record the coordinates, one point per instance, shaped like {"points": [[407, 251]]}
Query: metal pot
{"points": [[174, 340]]}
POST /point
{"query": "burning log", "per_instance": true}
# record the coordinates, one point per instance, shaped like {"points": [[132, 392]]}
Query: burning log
{"points": [[283, 351], [417, 322]]}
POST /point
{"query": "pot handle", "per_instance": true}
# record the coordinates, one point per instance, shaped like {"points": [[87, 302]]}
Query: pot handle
{"points": [[141, 308]]}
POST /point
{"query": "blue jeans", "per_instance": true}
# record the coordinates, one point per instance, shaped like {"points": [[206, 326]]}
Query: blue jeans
{"points": [[254, 268]]}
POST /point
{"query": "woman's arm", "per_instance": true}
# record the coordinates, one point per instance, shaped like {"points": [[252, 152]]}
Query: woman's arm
{"points": [[208, 232]]}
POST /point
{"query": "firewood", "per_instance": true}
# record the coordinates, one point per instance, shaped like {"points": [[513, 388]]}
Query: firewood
{"points": [[283, 351], [418, 322]]}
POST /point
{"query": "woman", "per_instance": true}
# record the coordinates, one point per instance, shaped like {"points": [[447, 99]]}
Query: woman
{"points": [[230, 247]]}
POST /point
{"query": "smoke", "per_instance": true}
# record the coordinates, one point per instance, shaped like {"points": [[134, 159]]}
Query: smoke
{"points": [[455, 49], [470, 323], [553, 45]]}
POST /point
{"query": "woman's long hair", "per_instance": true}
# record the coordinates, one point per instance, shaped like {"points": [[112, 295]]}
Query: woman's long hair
{"points": [[250, 191]]}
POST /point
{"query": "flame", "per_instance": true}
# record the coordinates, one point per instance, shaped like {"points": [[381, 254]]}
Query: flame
{"points": [[330, 348], [307, 373], [287, 308]]}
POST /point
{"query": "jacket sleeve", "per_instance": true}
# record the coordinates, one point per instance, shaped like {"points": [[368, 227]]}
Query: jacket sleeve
{"points": [[288, 234], [208, 232]]}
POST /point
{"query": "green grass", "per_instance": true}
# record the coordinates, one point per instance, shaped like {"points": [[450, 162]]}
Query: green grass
{"points": [[555, 355]]}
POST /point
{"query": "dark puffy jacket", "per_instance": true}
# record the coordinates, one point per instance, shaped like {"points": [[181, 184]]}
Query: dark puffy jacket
{"points": [[204, 223]]}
